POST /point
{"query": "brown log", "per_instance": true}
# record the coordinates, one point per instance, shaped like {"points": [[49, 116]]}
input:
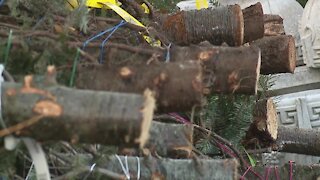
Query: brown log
{"points": [[278, 54], [152, 168], [253, 22], [48, 112], [178, 86], [301, 141], [226, 69], [273, 25], [168, 140], [216, 25], [264, 128]]}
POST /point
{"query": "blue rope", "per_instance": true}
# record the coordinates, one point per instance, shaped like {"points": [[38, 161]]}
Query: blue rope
{"points": [[106, 40]]}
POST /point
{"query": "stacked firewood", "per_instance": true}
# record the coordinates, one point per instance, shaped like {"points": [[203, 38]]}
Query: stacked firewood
{"points": [[221, 50]]}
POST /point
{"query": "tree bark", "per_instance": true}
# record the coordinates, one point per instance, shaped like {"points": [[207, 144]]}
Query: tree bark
{"points": [[178, 86], [278, 54], [296, 140], [152, 168], [273, 25], [264, 128], [217, 25], [168, 140], [225, 69], [49, 112], [253, 22]]}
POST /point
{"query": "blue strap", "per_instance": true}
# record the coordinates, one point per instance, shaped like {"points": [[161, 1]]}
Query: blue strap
{"points": [[1, 2], [106, 40]]}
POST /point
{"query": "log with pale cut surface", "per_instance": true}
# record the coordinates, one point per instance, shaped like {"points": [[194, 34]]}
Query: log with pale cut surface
{"points": [[46, 111], [264, 128], [278, 54]]}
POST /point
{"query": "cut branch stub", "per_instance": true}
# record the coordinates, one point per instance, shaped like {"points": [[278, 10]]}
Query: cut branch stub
{"points": [[60, 113], [253, 22], [178, 85], [225, 69], [263, 131], [278, 54], [273, 25], [216, 25]]}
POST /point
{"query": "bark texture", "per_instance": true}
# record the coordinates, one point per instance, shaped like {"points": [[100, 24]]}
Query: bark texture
{"points": [[278, 54], [273, 25], [216, 25], [264, 129], [178, 86], [302, 141], [225, 69], [167, 140], [152, 168], [49, 112], [253, 22]]}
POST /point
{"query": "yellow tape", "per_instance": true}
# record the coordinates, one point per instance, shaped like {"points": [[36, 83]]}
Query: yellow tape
{"points": [[200, 4], [130, 19]]}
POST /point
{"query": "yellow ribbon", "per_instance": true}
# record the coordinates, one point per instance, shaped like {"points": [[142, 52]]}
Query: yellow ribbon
{"points": [[200, 4]]}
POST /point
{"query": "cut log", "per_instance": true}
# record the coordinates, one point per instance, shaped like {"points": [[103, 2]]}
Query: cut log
{"points": [[253, 22], [226, 69], [273, 25], [168, 140], [178, 86], [152, 168], [295, 140], [278, 54], [48, 112], [216, 25], [264, 128]]}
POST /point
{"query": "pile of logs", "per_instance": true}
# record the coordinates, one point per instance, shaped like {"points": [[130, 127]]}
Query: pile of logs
{"points": [[214, 51]]}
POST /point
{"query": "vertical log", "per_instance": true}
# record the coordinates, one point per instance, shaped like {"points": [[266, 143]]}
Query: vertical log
{"points": [[264, 128], [253, 22], [217, 25], [273, 25], [278, 54]]}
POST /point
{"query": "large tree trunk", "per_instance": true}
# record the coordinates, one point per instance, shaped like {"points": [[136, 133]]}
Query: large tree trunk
{"points": [[178, 86], [167, 140], [226, 69], [217, 25], [51, 112], [152, 168], [278, 54], [273, 25], [253, 22]]}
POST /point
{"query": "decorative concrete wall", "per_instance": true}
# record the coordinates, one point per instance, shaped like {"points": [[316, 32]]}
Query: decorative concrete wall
{"points": [[310, 34]]}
